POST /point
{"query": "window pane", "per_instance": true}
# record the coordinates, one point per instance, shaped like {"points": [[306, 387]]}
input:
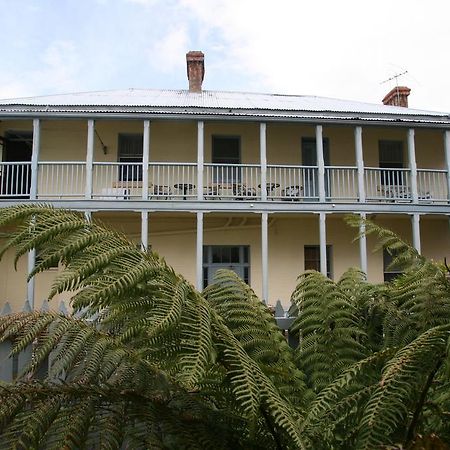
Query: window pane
{"points": [[216, 254], [234, 255], [246, 254]]}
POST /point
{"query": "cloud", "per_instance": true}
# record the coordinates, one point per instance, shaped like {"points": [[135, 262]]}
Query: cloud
{"points": [[166, 54]]}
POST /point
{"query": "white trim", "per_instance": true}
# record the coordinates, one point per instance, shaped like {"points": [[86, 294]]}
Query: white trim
{"points": [[263, 159], [323, 243], [363, 245], [360, 164], [144, 229], [35, 158], [200, 158], [320, 162], [412, 165], [199, 255], [447, 158], [415, 218], [265, 257], [145, 159], [89, 157]]}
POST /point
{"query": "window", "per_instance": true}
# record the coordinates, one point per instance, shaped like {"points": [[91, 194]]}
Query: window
{"points": [[312, 258], [130, 150], [232, 257], [389, 272], [226, 150]]}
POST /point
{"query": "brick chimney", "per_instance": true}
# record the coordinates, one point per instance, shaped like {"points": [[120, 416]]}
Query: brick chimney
{"points": [[195, 70], [398, 96]]}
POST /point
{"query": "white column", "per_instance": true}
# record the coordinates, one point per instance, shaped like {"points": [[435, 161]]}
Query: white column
{"points": [[416, 231], [447, 159], [265, 256], [263, 160], [89, 158], [199, 256], [33, 195], [145, 159], [360, 164], [35, 158], [144, 229], [88, 215], [200, 158], [320, 163], [363, 245], [30, 284], [323, 243], [412, 165]]}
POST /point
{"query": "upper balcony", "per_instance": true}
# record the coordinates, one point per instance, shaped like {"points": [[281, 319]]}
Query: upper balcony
{"points": [[235, 162]]}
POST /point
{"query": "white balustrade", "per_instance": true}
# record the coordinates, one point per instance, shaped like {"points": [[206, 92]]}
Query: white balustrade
{"points": [[232, 181], [432, 185], [172, 181], [291, 183], [341, 183], [15, 179], [388, 184], [61, 179], [177, 181]]}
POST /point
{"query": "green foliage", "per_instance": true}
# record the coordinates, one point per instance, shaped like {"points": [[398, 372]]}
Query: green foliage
{"points": [[149, 362]]}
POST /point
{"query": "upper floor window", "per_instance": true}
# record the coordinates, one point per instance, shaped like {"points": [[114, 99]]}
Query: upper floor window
{"points": [[312, 258], [226, 152], [130, 150]]}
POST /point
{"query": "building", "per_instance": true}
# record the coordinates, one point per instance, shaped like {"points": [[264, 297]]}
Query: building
{"points": [[254, 182]]}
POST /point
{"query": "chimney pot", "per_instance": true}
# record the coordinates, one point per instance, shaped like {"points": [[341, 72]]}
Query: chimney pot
{"points": [[195, 61], [397, 96]]}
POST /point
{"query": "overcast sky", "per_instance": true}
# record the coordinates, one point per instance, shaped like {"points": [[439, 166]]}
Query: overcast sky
{"points": [[333, 48]]}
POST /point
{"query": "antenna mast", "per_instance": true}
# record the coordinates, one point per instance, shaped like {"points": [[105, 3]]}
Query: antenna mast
{"points": [[396, 77]]}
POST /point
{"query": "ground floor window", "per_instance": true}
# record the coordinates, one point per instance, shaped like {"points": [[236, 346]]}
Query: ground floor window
{"points": [[390, 272], [312, 258], [232, 257]]}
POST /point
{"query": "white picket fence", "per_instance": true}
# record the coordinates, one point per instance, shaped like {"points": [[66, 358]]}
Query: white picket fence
{"points": [[12, 366]]}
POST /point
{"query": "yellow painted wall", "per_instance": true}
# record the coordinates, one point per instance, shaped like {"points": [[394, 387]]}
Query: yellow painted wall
{"points": [[174, 237], [176, 141]]}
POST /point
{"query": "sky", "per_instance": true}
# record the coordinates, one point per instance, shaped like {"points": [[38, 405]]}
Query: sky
{"points": [[341, 49]]}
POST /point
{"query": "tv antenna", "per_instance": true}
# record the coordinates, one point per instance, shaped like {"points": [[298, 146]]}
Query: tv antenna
{"points": [[396, 77]]}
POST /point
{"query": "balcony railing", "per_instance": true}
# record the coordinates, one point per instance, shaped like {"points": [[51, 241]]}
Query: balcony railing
{"points": [[341, 183], [178, 181], [15, 179], [292, 183], [61, 179], [388, 184]]}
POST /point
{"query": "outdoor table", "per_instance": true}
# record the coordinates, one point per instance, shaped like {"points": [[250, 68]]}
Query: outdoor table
{"points": [[185, 188]]}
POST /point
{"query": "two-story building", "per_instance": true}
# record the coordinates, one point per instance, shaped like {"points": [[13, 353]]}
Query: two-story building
{"points": [[258, 183]]}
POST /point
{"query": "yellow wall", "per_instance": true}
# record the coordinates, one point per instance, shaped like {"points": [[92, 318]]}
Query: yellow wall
{"points": [[176, 141]]}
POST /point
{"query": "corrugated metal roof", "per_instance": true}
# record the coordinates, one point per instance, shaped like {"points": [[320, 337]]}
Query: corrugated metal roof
{"points": [[227, 103]]}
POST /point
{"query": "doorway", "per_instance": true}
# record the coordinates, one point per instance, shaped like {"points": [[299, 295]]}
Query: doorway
{"points": [[16, 178]]}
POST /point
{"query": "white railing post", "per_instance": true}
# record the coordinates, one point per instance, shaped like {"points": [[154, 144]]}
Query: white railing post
{"points": [[35, 158], [323, 243], [416, 231], [200, 158], [145, 159], [263, 161], [199, 253], [31, 283], [363, 244], [265, 257], [144, 230], [360, 164], [89, 158], [320, 163], [447, 159], [412, 165]]}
